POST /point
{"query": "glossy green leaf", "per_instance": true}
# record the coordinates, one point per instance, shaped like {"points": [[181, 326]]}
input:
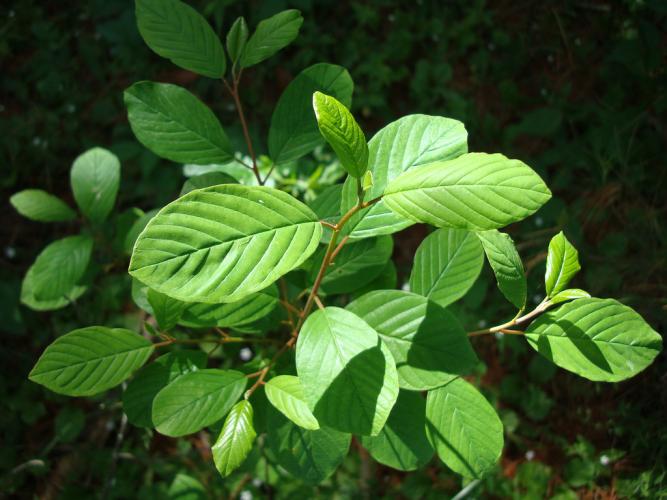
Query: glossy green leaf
{"points": [[464, 429], [60, 266], [402, 443], [237, 38], [357, 386], [270, 36], [141, 391], [476, 191], [285, 393], [569, 294], [356, 265], [175, 125], [90, 360], [427, 342], [196, 400], [235, 440], [28, 297], [242, 312], [176, 31], [310, 456], [293, 131], [167, 311], [507, 266], [95, 177], [411, 141], [447, 263], [190, 254], [41, 206], [206, 180], [342, 132], [599, 339], [562, 264]]}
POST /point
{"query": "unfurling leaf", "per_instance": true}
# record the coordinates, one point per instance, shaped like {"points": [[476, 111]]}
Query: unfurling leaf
{"points": [[235, 440], [237, 38], [342, 132], [569, 294], [562, 264], [271, 35]]}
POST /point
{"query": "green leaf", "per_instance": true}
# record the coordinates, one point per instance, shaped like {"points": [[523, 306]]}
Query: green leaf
{"points": [[562, 264], [206, 180], [309, 455], [242, 312], [28, 297], [342, 132], [293, 131], [237, 38], [95, 177], [367, 181], [447, 263], [185, 487], [357, 386], [599, 339], [356, 265], [90, 360], [402, 443], [167, 311], [135, 230], [60, 266], [196, 400], [507, 266], [186, 251], [327, 207], [476, 191], [175, 125], [286, 395], [141, 391], [569, 294], [411, 141], [427, 342], [270, 36], [235, 440], [41, 206], [464, 429], [176, 31]]}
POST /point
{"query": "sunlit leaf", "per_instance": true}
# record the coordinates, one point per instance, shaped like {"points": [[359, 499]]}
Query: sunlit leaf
{"points": [[41, 206]]}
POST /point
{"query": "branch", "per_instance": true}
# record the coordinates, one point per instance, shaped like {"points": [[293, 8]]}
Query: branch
{"points": [[505, 327]]}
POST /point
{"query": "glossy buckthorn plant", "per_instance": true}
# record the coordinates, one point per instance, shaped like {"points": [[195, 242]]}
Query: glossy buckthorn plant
{"points": [[339, 351]]}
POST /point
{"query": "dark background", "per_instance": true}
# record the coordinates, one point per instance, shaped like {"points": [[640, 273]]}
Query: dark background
{"points": [[576, 89]]}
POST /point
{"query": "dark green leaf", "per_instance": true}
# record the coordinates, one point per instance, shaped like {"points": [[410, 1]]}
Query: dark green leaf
{"points": [[237, 38], [41, 206], [271, 35]]}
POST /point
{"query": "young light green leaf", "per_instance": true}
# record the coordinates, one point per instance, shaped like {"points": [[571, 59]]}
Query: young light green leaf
{"points": [[90, 360], [141, 391], [356, 388], [476, 191], [60, 266], [28, 297], [167, 311], [409, 142], [41, 206], [293, 131], [175, 125], [599, 339], [569, 294], [188, 253], [285, 393], [464, 429], [356, 265], [237, 38], [367, 181], [271, 35], [176, 31], [95, 177], [562, 264], [309, 455], [242, 312], [195, 400], [235, 440], [507, 266], [206, 180], [446, 265], [342, 132], [402, 443], [427, 343]]}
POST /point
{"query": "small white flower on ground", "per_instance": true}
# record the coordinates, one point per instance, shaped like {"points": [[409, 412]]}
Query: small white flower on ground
{"points": [[245, 354], [604, 460], [245, 495], [530, 455]]}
